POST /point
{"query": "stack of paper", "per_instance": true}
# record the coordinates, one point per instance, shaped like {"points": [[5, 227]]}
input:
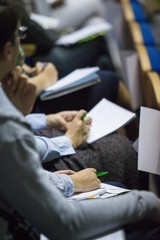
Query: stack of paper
{"points": [[105, 191]]}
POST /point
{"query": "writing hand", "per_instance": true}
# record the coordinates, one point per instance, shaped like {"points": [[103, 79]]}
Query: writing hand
{"points": [[85, 180]]}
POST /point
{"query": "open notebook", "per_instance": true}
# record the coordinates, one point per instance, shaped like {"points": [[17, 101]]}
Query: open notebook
{"points": [[107, 117]]}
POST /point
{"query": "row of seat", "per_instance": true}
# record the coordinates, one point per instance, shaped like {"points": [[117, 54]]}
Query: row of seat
{"points": [[145, 45]]}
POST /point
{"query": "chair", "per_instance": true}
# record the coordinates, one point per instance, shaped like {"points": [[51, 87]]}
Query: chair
{"points": [[141, 33], [29, 50], [132, 11], [153, 82], [149, 60]]}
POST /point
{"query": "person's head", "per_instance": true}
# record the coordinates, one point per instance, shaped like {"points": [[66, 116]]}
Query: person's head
{"points": [[9, 35]]}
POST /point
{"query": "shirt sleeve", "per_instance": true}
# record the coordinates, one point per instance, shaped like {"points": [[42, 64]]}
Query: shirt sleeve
{"points": [[61, 181], [53, 148], [36, 121]]}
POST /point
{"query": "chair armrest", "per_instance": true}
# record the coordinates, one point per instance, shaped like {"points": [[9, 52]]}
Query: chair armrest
{"points": [[29, 49]]}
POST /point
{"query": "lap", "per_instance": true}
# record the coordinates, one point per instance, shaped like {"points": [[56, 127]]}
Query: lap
{"points": [[113, 153]]}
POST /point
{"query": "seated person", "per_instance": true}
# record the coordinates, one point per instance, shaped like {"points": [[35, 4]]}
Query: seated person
{"points": [[65, 59], [25, 189]]}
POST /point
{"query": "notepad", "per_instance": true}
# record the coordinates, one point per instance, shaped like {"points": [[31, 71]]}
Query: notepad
{"points": [[107, 117], [149, 141], [83, 33], [78, 79]]}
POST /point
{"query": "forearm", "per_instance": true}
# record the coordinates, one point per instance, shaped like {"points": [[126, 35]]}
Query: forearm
{"points": [[41, 83]]}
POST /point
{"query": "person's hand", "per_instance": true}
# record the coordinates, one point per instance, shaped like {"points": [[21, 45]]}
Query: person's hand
{"points": [[44, 78], [50, 74], [33, 71], [60, 121], [67, 172], [85, 180], [19, 90], [79, 129]]}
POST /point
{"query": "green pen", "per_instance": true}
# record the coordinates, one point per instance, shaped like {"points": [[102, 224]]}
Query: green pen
{"points": [[101, 174], [83, 116]]}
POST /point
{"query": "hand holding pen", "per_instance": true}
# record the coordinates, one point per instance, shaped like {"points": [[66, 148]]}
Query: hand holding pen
{"points": [[79, 129]]}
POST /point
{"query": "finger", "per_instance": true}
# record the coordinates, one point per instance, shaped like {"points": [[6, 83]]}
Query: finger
{"points": [[15, 78], [21, 85], [88, 120], [80, 114]]}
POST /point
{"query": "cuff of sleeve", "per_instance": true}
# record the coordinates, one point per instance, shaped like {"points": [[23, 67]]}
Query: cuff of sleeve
{"points": [[64, 144], [37, 121]]}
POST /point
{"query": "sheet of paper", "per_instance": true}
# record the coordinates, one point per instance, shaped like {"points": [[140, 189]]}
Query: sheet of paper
{"points": [[107, 117], [149, 141], [44, 21], [72, 77], [83, 33], [131, 75], [118, 235]]}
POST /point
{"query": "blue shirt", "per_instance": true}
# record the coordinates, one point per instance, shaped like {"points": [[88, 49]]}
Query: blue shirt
{"points": [[49, 148]]}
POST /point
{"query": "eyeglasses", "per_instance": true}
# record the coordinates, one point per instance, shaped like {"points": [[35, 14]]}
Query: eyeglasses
{"points": [[22, 32]]}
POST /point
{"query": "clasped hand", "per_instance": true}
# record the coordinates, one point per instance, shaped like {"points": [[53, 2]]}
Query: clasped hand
{"points": [[76, 129]]}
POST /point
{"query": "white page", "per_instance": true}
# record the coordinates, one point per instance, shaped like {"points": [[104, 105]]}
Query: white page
{"points": [[86, 195], [118, 235], [72, 77], [83, 33], [44, 21], [107, 117], [149, 141]]}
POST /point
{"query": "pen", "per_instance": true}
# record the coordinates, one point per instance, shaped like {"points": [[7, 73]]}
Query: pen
{"points": [[101, 174], [83, 116]]}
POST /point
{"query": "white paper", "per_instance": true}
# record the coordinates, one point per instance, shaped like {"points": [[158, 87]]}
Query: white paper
{"points": [[107, 117], [83, 33], [149, 141], [105, 191], [118, 235], [131, 76], [44, 21], [72, 77]]}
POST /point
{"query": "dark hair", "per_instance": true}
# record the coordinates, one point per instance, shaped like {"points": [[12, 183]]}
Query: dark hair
{"points": [[10, 15]]}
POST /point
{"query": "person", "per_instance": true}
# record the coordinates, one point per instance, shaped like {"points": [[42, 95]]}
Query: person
{"points": [[24, 188], [66, 59]]}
